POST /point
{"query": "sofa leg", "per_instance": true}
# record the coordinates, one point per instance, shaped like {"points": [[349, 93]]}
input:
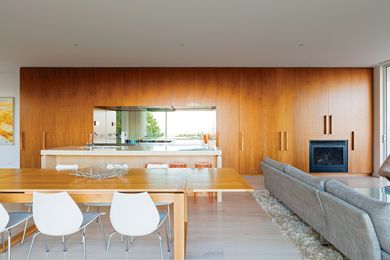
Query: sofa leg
{"points": [[323, 241]]}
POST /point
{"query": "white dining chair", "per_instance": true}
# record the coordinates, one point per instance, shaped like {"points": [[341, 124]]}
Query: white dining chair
{"points": [[56, 214], [59, 167], [135, 215], [9, 221], [90, 205]]}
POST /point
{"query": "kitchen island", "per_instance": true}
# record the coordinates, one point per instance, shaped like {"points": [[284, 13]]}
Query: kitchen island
{"points": [[135, 156]]}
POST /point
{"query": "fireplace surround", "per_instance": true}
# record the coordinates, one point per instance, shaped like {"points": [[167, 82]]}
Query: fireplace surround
{"points": [[328, 155]]}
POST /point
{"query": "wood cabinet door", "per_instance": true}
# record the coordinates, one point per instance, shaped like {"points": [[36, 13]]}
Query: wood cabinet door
{"points": [[182, 87], [360, 123], [154, 87], [273, 114], [340, 101], [205, 87], [228, 116], [251, 123], [316, 90], [293, 122]]}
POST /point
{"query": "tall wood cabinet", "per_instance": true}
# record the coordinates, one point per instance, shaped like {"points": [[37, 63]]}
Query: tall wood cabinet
{"points": [[251, 121], [281, 110], [261, 112]]}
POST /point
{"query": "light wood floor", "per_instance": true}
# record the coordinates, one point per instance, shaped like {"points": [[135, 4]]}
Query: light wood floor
{"points": [[236, 229]]}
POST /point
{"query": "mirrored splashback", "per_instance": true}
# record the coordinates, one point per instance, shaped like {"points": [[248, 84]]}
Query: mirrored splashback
{"points": [[131, 125]]}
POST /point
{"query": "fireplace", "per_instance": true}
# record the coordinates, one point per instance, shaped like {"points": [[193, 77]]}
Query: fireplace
{"points": [[329, 156]]}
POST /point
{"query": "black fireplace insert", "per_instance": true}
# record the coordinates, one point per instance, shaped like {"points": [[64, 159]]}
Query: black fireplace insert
{"points": [[329, 156]]}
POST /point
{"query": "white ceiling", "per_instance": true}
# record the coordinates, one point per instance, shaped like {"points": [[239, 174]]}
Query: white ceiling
{"points": [[194, 33]]}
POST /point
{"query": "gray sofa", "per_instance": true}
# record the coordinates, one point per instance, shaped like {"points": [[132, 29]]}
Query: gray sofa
{"points": [[357, 225]]}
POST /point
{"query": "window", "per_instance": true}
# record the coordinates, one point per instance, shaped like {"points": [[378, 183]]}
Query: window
{"points": [[180, 124], [386, 83]]}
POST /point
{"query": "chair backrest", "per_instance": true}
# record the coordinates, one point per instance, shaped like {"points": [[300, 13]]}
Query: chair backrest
{"points": [[134, 214], [56, 214], [4, 218]]}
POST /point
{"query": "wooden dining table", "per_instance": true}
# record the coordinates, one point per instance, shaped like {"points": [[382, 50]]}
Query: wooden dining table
{"points": [[163, 185]]}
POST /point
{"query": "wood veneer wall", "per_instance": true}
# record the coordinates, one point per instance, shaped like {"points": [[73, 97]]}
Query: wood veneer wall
{"points": [[57, 104]]}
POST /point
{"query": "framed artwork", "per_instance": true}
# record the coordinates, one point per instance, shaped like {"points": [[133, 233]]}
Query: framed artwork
{"points": [[7, 120]]}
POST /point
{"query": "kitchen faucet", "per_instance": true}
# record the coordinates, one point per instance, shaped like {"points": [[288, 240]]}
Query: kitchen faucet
{"points": [[91, 145]]}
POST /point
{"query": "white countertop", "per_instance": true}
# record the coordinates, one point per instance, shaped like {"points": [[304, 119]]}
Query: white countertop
{"points": [[136, 150]]}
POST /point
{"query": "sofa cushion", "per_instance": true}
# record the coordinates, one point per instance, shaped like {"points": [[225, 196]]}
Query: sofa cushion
{"points": [[278, 165], [305, 177], [349, 229], [385, 255], [378, 211]]}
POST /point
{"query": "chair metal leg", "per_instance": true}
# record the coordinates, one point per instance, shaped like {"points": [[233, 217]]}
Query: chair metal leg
{"points": [[127, 244], [169, 224], [45, 243], [122, 238], [84, 245], [109, 244], [64, 244], [87, 208], [3, 241], [167, 236], [132, 240], [161, 246], [97, 210], [25, 228], [102, 229], [9, 244], [32, 244]]}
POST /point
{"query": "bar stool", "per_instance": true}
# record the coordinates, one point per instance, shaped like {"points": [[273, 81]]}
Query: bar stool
{"points": [[203, 165], [156, 165], [177, 165]]}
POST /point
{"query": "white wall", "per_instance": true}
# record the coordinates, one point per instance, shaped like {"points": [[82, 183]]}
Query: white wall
{"points": [[9, 87]]}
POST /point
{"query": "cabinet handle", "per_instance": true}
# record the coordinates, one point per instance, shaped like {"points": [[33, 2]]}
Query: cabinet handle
{"points": [[353, 140], [43, 140], [281, 141], [22, 144], [286, 141], [330, 124], [325, 132], [242, 141]]}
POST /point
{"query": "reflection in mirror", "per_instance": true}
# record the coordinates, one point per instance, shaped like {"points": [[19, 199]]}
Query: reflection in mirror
{"points": [[132, 125]]}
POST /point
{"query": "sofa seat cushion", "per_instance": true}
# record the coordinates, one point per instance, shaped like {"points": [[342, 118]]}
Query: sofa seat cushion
{"points": [[385, 255], [278, 165], [305, 177], [378, 211]]}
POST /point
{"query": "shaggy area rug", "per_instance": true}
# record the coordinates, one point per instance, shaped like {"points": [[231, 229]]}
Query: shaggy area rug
{"points": [[302, 236]]}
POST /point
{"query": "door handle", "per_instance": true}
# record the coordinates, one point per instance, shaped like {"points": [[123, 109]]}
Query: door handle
{"points": [[242, 141], [286, 141], [43, 140], [325, 130], [22, 142], [353, 140], [330, 124], [281, 144]]}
